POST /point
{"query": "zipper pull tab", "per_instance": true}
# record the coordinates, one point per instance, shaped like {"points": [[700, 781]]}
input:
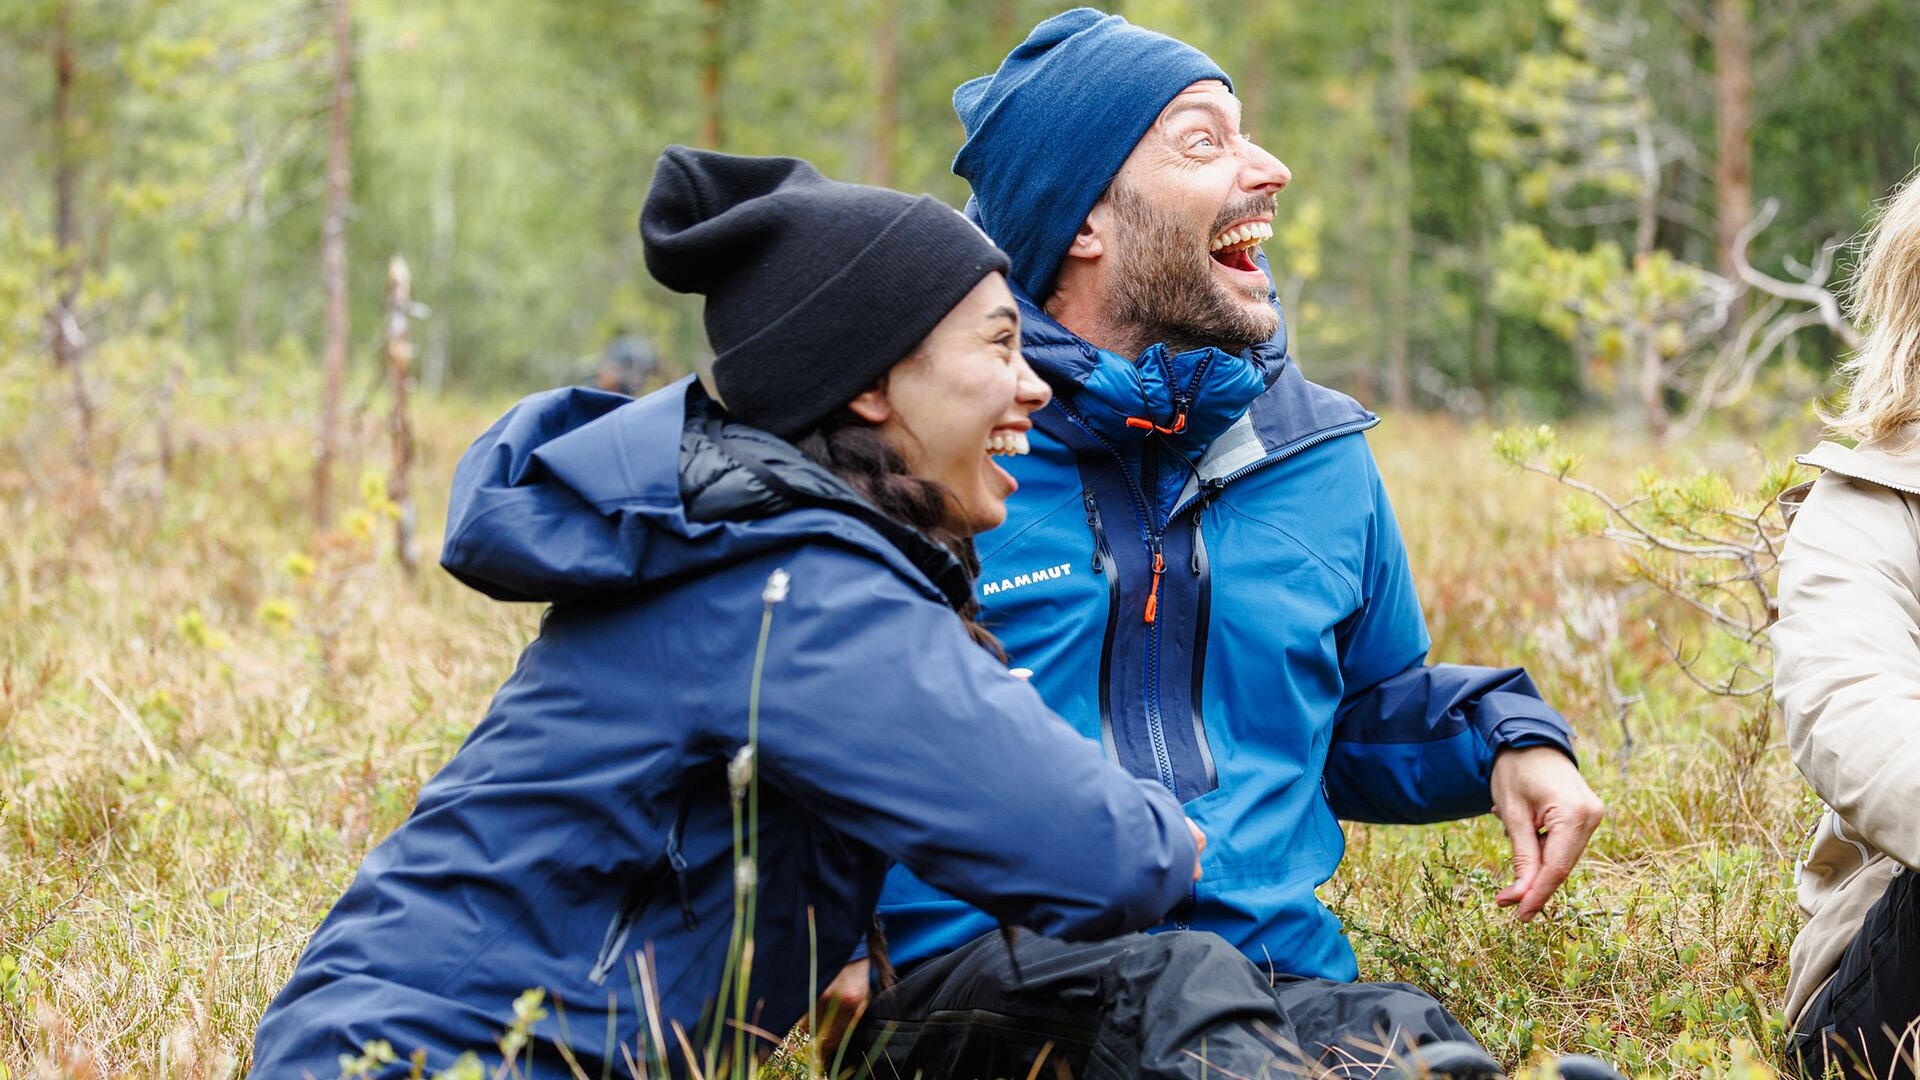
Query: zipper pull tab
{"points": [[1093, 526], [1153, 594]]}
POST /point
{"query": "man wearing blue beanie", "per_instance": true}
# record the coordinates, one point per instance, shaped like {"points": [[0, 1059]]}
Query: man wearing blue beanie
{"points": [[1203, 572]]}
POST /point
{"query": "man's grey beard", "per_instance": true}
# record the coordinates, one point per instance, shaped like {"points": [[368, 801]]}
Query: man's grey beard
{"points": [[1164, 289]]}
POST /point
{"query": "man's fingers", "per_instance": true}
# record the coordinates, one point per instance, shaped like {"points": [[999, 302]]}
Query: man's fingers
{"points": [[1199, 847], [1525, 837], [1567, 833], [841, 1004]]}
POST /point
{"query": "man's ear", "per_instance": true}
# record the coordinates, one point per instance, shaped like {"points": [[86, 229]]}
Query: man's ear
{"points": [[1090, 241], [873, 405]]}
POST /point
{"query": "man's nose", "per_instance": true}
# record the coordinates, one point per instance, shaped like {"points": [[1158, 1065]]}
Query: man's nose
{"points": [[1264, 174]]}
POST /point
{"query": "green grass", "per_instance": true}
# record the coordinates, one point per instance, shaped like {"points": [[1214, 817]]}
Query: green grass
{"points": [[207, 718]]}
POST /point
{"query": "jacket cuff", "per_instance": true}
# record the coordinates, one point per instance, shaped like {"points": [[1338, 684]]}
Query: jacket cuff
{"points": [[1512, 721]]}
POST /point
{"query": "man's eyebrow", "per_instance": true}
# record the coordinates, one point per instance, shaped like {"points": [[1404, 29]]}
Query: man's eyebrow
{"points": [[1004, 312], [1218, 113]]}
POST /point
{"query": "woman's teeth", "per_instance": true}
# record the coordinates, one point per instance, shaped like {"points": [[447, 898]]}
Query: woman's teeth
{"points": [[1242, 236], [1007, 442]]}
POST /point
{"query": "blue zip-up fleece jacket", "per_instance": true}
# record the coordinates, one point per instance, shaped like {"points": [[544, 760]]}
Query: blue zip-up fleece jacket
{"points": [[1202, 569], [581, 839]]}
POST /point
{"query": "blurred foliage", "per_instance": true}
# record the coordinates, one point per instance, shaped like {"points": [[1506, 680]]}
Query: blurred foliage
{"points": [[506, 148]]}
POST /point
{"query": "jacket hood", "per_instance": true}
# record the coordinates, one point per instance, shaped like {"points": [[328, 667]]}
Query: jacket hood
{"points": [[576, 494]]}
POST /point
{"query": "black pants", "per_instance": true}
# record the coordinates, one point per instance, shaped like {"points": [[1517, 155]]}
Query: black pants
{"points": [[1140, 1005], [1863, 1022]]}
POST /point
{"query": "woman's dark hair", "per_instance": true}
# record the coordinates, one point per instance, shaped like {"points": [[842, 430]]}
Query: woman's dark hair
{"points": [[853, 449]]}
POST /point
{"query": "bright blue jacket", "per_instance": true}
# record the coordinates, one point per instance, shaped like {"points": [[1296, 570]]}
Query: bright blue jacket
{"points": [[1279, 683], [586, 822]]}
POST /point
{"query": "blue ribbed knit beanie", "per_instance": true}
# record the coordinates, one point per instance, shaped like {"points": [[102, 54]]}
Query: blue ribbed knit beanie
{"points": [[1047, 132]]}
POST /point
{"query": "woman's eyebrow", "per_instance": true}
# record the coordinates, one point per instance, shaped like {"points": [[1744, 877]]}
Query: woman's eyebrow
{"points": [[1004, 312]]}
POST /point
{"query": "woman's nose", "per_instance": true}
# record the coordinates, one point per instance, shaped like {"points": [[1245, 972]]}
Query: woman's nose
{"points": [[1032, 391]]}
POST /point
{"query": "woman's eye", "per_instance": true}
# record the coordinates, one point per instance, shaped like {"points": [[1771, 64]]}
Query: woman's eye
{"points": [[1203, 142]]}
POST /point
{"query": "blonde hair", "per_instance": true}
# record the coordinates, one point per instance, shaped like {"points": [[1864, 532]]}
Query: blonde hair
{"points": [[1883, 375]]}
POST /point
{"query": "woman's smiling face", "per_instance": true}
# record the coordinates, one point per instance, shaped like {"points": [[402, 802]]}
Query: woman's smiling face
{"points": [[964, 395]]}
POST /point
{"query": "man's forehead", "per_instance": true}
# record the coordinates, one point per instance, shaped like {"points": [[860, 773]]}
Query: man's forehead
{"points": [[1207, 95]]}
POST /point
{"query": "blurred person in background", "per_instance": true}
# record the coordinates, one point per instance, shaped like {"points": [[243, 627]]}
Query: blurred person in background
{"points": [[627, 365], [582, 840], [1847, 676]]}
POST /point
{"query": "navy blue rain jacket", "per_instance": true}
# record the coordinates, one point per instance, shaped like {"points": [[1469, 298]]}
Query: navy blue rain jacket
{"points": [[1203, 570], [580, 840]]}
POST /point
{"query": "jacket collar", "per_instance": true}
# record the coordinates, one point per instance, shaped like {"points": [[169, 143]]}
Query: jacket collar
{"points": [[1281, 414], [730, 471], [1187, 398], [1891, 463]]}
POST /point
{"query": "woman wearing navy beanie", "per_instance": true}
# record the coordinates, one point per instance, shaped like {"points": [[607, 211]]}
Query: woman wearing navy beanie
{"points": [[808, 544]]}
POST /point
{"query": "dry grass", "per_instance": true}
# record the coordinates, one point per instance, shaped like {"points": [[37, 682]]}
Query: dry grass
{"points": [[207, 718]]}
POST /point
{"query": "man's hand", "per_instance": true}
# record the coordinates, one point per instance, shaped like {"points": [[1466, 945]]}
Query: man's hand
{"points": [[840, 1004], [1199, 847], [1549, 812]]}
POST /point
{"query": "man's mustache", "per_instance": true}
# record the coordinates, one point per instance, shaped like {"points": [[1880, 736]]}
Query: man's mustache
{"points": [[1252, 206]]}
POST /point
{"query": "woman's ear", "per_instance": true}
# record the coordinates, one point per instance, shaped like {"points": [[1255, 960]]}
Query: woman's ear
{"points": [[873, 405]]}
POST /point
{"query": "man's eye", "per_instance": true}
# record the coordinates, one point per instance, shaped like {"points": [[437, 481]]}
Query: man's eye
{"points": [[1203, 142]]}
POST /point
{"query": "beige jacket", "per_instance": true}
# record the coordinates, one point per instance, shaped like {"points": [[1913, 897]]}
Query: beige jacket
{"points": [[1847, 676]]}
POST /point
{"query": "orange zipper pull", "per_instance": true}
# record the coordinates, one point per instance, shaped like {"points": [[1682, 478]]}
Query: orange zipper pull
{"points": [[1153, 594]]}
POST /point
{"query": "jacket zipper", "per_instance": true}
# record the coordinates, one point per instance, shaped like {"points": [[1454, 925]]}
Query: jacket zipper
{"points": [[613, 944], [1202, 613], [1150, 696], [1156, 732], [1103, 563]]}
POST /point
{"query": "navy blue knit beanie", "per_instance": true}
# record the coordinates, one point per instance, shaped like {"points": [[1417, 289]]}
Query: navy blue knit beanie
{"points": [[1047, 132]]}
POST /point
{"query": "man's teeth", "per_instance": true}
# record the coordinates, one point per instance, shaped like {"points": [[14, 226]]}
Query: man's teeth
{"points": [[1253, 232], [1007, 442]]}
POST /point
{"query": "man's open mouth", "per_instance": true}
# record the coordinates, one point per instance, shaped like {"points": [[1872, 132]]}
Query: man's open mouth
{"points": [[1233, 248]]}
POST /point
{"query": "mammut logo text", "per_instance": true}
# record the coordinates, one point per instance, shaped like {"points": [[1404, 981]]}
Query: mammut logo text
{"points": [[988, 588]]}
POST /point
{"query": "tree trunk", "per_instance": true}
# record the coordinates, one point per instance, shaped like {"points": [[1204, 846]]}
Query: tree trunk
{"points": [[1653, 381], [713, 75], [1400, 208], [1653, 374], [1484, 351], [333, 262], [445, 214], [63, 321], [253, 247], [1733, 131], [399, 431], [886, 113], [66, 239]]}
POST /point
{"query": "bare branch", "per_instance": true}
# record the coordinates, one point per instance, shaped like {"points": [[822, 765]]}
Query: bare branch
{"points": [[1811, 291]]}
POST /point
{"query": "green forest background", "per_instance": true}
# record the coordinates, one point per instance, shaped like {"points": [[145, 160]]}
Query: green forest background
{"points": [[1494, 201]]}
